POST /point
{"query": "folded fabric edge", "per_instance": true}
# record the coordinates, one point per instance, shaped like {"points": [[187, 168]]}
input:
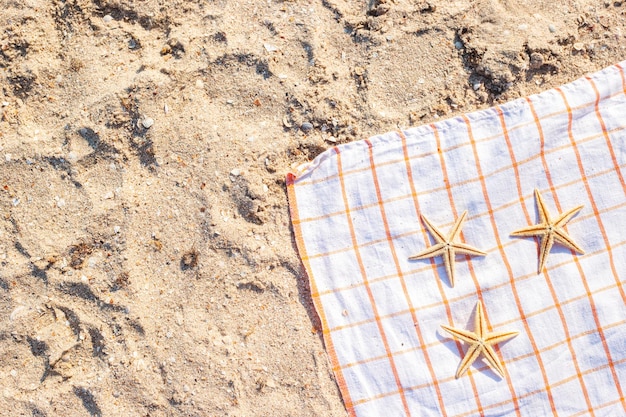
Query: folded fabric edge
{"points": [[306, 169]]}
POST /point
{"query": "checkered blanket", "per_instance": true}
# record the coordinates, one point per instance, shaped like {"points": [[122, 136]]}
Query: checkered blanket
{"points": [[361, 210]]}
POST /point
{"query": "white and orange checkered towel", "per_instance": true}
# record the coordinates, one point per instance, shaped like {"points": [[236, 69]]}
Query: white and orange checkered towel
{"points": [[357, 216]]}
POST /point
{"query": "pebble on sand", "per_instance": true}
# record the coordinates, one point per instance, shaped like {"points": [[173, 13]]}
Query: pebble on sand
{"points": [[147, 122]]}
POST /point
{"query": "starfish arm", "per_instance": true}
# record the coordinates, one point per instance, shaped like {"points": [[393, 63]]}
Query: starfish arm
{"points": [[464, 249], [464, 335], [457, 227], [563, 238], [565, 217], [430, 252], [439, 237], [492, 359], [499, 337], [448, 260], [469, 358], [544, 216], [480, 324], [534, 230], [546, 245]]}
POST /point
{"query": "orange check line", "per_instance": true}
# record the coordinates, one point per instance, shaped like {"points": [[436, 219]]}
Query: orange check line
{"points": [[483, 184], [599, 407], [400, 275], [605, 133], [409, 173], [455, 214], [607, 243], [529, 334], [546, 274], [370, 294]]}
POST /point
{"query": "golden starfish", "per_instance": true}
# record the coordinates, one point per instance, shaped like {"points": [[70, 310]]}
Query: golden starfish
{"points": [[481, 341], [550, 231], [446, 247]]}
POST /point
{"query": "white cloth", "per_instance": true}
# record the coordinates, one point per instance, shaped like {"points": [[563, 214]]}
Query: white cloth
{"points": [[356, 215]]}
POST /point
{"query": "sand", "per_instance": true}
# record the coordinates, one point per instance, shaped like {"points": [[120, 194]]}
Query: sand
{"points": [[147, 262]]}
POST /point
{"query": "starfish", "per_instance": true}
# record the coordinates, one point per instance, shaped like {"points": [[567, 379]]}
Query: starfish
{"points": [[446, 247], [550, 231], [481, 341]]}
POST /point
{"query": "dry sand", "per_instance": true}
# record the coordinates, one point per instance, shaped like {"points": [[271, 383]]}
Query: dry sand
{"points": [[148, 267]]}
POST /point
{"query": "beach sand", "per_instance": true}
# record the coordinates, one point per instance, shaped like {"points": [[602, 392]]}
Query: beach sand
{"points": [[147, 262]]}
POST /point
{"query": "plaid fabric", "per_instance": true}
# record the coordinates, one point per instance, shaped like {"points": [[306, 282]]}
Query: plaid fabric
{"points": [[356, 216]]}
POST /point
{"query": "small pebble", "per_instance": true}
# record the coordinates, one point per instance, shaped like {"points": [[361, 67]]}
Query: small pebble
{"points": [[523, 26], [579, 46], [116, 229], [199, 84], [16, 201], [108, 18], [5, 103], [552, 28], [235, 172], [108, 196], [7, 157], [306, 127], [476, 86], [147, 122], [270, 48], [166, 109], [458, 45], [536, 60]]}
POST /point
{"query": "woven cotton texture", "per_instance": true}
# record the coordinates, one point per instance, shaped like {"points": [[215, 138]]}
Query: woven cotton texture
{"points": [[356, 216]]}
